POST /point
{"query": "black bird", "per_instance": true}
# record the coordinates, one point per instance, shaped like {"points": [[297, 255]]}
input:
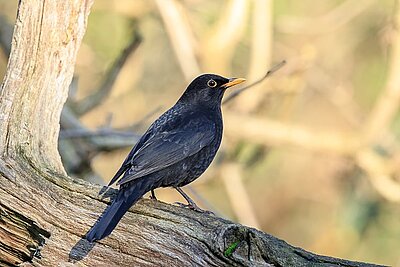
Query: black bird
{"points": [[176, 149]]}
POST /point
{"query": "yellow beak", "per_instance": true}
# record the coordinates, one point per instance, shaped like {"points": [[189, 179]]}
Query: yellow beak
{"points": [[232, 82]]}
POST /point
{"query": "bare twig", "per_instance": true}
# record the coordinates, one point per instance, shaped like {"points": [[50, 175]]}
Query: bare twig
{"points": [[272, 133], [231, 22], [336, 18], [103, 139], [75, 154], [268, 74], [239, 198], [218, 48], [181, 36], [85, 133], [93, 100], [379, 175], [78, 144], [388, 104], [260, 58], [340, 96]]}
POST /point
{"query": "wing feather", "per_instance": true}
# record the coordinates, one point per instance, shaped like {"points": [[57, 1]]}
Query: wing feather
{"points": [[168, 148], [161, 147]]}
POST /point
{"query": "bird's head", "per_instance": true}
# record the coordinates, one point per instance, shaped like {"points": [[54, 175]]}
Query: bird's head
{"points": [[208, 89]]}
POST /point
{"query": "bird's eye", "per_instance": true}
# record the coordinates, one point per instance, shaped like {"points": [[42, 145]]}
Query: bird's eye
{"points": [[211, 83]]}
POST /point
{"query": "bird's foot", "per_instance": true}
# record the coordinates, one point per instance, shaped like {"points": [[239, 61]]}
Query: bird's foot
{"points": [[153, 195], [194, 207]]}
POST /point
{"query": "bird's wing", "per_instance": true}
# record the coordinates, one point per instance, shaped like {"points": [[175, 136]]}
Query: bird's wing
{"points": [[169, 147], [127, 162]]}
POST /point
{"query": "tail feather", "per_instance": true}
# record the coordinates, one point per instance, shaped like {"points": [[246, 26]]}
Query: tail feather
{"points": [[126, 197]]}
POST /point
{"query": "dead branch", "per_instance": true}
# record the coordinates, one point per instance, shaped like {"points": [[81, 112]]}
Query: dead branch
{"points": [[181, 36], [333, 20], [261, 52], [93, 100], [267, 74]]}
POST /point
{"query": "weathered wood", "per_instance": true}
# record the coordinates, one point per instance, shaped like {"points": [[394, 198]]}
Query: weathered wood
{"points": [[52, 215], [44, 213], [46, 38]]}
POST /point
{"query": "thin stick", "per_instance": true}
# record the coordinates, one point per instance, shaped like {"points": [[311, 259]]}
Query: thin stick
{"points": [[97, 98], [269, 73], [181, 36], [232, 176]]}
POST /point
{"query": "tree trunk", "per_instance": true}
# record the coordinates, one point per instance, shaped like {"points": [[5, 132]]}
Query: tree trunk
{"points": [[44, 213]]}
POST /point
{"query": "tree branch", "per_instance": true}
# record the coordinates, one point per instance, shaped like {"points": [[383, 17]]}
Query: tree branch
{"points": [[93, 100], [46, 39], [152, 233]]}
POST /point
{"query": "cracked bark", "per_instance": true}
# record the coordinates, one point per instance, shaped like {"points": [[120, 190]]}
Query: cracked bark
{"points": [[44, 213]]}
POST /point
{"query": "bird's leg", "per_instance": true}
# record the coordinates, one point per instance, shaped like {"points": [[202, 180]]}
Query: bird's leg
{"points": [[153, 195], [191, 205]]}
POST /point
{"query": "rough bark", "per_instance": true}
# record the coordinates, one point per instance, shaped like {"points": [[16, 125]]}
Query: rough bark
{"points": [[44, 213], [44, 216], [46, 38]]}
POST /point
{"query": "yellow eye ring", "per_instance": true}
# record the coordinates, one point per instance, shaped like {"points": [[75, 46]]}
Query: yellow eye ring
{"points": [[211, 83]]}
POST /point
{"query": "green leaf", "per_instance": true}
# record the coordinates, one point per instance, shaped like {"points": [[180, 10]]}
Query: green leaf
{"points": [[228, 252]]}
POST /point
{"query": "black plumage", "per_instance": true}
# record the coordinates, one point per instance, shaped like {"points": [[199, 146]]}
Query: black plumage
{"points": [[176, 149]]}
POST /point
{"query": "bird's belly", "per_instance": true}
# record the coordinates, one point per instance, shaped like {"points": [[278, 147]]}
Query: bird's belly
{"points": [[187, 170]]}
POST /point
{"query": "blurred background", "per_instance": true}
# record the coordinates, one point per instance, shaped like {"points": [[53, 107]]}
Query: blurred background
{"points": [[310, 155]]}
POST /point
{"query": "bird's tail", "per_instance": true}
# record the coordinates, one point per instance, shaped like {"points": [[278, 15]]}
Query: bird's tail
{"points": [[126, 197]]}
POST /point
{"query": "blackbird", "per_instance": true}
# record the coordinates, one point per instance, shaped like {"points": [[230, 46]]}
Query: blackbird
{"points": [[176, 149]]}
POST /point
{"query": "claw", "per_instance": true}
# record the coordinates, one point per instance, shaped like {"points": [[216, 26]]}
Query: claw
{"points": [[194, 207], [191, 205]]}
